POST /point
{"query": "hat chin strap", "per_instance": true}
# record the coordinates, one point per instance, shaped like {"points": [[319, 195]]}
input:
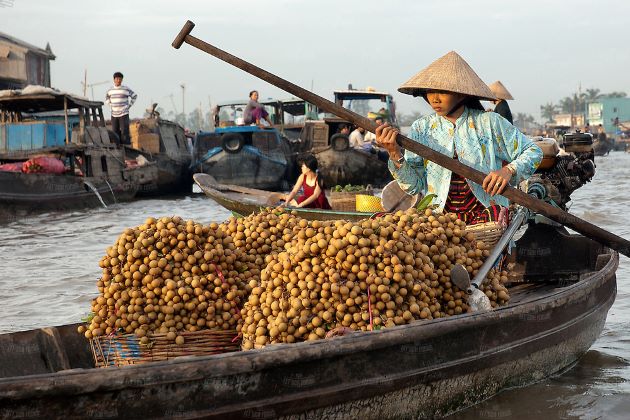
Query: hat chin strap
{"points": [[456, 107]]}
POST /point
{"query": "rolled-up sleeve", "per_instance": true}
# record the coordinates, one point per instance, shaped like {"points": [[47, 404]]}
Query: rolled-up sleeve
{"points": [[517, 149], [412, 175]]}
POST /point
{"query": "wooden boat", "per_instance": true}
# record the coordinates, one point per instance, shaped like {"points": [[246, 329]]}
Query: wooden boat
{"points": [[163, 142], [39, 122], [247, 155], [422, 369], [603, 147], [22, 194], [339, 163], [245, 201]]}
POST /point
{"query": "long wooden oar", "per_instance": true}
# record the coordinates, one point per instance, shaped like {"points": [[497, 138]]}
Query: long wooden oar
{"points": [[582, 226]]}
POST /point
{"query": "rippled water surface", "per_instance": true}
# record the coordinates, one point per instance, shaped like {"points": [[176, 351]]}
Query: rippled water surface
{"points": [[49, 267]]}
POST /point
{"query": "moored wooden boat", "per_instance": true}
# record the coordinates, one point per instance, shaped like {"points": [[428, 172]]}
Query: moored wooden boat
{"points": [[248, 155], [24, 194], [246, 201], [40, 122], [422, 369], [163, 142], [603, 147], [339, 163]]}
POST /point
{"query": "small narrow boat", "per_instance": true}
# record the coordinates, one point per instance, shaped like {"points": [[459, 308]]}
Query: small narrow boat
{"points": [[603, 147], [245, 201]]}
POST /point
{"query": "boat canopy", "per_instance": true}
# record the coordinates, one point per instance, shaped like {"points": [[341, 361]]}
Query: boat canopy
{"points": [[34, 99], [361, 94]]}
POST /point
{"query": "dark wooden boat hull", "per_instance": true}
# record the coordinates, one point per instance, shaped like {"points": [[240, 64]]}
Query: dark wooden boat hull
{"points": [[602, 148], [23, 194], [246, 204], [172, 178], [423, 369], [173, 161], [247, 169], [351, 166]]}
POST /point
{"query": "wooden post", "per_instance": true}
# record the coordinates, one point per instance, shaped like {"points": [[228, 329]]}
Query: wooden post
{"points": [[65, 117]]}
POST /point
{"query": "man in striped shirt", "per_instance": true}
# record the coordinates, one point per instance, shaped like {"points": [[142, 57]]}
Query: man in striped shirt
{"points": [[120, 98]]}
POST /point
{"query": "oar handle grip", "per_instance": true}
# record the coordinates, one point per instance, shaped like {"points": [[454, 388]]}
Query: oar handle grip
{"points": [[181, 36]]}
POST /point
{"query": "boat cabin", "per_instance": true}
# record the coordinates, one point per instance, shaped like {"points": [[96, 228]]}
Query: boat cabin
{"points": [[284, 113], [38, 117], [368, 102], [323, 133]]}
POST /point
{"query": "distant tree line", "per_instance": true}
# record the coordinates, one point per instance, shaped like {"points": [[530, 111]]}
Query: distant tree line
{"points": [[575, 103]]}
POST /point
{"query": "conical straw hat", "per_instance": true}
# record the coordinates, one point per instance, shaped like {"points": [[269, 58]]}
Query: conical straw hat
{"points": [[450, 73], [500, 91]]}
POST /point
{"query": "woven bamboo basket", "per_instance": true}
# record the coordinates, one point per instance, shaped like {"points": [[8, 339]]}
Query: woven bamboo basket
{"points": [[345, 201], [121, 350], [489, 233]]}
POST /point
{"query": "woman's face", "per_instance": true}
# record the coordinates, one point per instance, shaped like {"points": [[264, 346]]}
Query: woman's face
{"points": [[442, 101], [305, 168], [254, 96]]}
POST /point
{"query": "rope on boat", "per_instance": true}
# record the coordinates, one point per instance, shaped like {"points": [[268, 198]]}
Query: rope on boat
{"points": [[370, 308]]}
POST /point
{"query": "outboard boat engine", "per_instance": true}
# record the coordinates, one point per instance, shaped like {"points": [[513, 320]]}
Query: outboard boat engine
{"points": [[545, 245], [563, 171]]}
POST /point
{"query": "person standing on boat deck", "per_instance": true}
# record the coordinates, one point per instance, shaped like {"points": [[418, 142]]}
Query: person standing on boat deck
{"points": [[254, 111], [601, 134], [460, 128], [501, 106], [312, 186], [120, 98], [602, 138]]}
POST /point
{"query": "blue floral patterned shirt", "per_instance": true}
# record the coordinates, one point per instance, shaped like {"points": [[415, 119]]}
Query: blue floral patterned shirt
{"points": [[482, 140]]}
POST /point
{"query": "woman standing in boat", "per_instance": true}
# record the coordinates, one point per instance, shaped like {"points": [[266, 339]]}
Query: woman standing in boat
{"points": [[462, 129], [312, 186]]}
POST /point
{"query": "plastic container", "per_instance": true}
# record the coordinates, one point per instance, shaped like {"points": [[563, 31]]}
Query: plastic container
{"points": [[368, 203]]}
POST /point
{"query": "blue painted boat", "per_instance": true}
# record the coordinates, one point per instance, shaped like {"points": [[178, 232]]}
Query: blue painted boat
{"points": [[245, 155]]}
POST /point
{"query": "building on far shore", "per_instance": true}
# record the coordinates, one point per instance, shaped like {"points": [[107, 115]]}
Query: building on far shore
{"points": [[609, 112], [23, 64], [569, 120]]}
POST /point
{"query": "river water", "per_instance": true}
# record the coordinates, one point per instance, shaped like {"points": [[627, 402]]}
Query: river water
{"points": [[49, 268]]}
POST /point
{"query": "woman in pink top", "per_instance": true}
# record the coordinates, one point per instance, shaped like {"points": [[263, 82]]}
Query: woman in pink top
{"points": [[313, 191]]}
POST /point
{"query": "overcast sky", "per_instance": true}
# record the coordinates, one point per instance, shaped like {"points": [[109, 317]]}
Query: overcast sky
{"points": [[542, 50]]}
